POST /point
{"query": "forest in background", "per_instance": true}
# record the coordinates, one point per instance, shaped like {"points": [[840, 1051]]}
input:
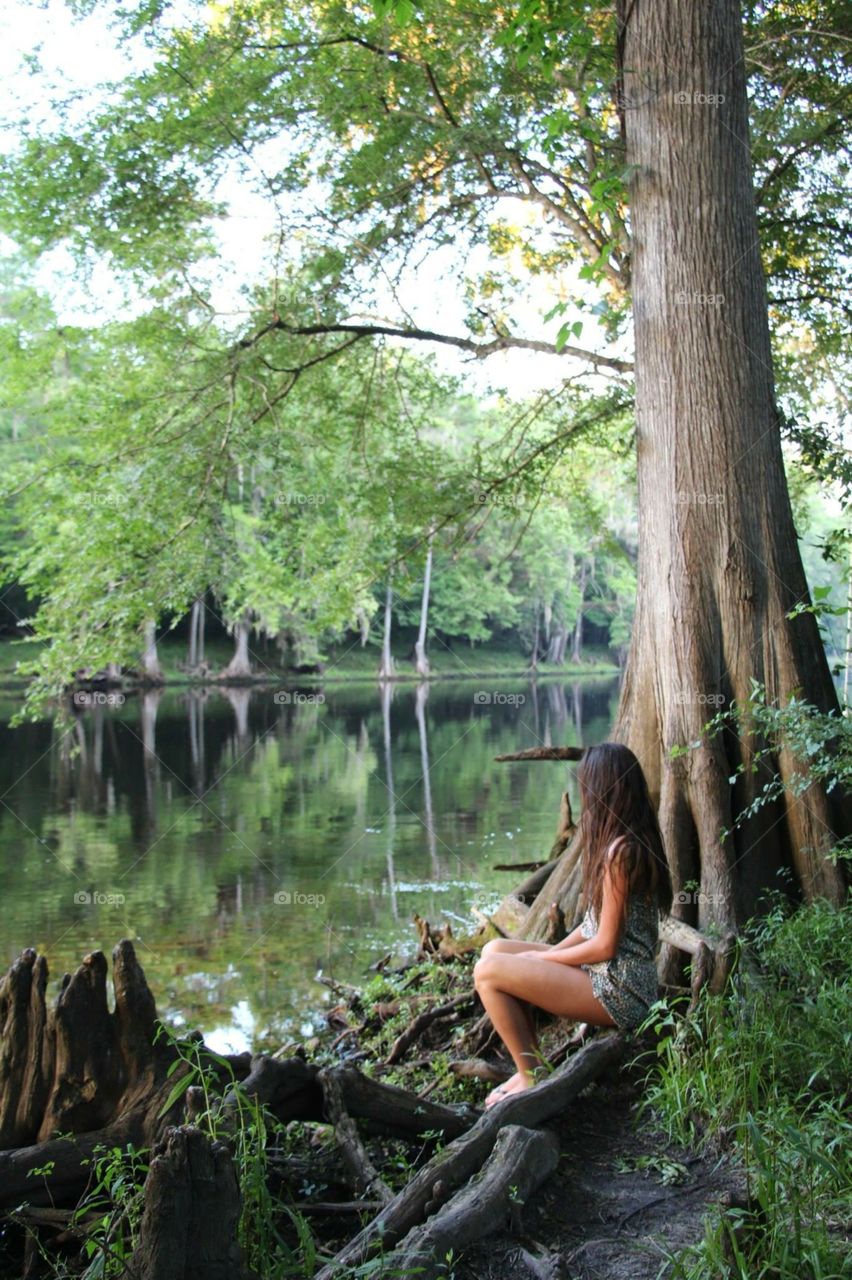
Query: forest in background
{"points": [[288, 466]]}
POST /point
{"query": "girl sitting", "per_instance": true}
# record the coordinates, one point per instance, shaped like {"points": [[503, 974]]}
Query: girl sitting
{"points": [[605, 971]]}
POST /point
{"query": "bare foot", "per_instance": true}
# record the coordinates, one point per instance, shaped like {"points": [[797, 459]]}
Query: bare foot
{"points": [[501, 1089], [516, 1084]]}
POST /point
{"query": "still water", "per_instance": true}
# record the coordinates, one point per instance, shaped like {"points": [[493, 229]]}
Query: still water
{"points": [[248, 840]]}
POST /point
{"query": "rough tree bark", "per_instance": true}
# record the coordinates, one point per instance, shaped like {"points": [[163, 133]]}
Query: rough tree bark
{"points": [[719, 564], [192, 1209]]}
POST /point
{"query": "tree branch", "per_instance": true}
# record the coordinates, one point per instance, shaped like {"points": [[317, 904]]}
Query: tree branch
{"points": [[481, 350]]}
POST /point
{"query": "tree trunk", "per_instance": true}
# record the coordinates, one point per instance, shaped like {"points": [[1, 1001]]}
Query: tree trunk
{"points": [[387, 669], [534, 658], [421, 661], [719, 565], [240, 665], [363, 626], [577, 642], [196, 634], [847, 686], [556, 648], [151, 670]]}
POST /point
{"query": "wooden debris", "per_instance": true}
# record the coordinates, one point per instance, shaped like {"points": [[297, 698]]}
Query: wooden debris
{"points": [[94, 1075]]}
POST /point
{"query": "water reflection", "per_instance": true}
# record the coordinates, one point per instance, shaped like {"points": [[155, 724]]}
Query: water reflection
{"points": [[246, 839]]}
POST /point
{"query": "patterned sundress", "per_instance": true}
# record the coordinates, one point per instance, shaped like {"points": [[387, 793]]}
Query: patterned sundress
{"points": [[627, 984]]}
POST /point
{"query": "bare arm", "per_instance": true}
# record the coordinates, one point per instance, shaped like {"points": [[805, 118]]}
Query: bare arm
{"points": [[575, 936], [603, 945]]}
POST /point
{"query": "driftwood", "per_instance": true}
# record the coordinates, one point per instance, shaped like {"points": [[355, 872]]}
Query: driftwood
{"points": [[520, 1161], [544, 753], [192, 1208], [446, 1171]]}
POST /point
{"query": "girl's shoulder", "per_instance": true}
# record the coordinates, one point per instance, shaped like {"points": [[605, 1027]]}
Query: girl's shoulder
{"points": [[615, 847]]}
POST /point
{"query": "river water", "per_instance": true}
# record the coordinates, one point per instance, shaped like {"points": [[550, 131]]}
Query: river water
{"points": [[248, 839]]}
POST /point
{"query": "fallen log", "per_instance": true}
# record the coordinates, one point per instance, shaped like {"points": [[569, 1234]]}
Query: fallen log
{"points": [[425, 1019], [452, 1166], [520, 1161]]}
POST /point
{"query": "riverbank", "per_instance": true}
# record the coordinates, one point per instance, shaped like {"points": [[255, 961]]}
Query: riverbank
{"points": [[713, 1143], [342, 663]]}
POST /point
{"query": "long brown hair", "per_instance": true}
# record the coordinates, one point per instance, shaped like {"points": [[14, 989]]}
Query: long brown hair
{"points": [[616, 806]]}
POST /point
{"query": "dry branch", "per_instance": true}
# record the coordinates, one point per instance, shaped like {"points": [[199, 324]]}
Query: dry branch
{"points": [[366, 1176], [423, 1020], [292, 1090]]}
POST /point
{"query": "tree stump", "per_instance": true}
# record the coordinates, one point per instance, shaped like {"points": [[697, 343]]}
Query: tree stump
{"points": [[79, 1070], [192, 1211]]}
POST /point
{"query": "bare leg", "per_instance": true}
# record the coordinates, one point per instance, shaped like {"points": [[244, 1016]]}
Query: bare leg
{"points": [[504, 981]]}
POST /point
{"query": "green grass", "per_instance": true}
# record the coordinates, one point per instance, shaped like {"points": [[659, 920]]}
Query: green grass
{"points": [[343, 662], [761, 1074]]}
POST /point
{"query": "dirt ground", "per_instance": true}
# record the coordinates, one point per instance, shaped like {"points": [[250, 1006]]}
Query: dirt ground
{"points": [[601, 1216]]}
